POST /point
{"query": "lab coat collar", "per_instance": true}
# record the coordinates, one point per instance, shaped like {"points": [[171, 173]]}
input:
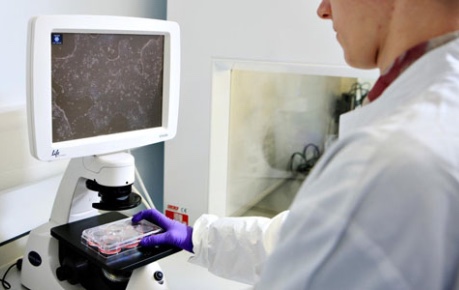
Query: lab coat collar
{"points": [[406, 88]]}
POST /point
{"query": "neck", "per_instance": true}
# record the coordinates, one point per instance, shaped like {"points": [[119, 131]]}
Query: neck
{"points": [[405, 31]]}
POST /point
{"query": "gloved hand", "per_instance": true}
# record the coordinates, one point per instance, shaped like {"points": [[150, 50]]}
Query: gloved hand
{"points": [[175, 233]]}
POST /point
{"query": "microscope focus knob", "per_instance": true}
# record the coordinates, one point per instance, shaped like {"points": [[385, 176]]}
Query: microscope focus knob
{"points": [[158, 276], [63, 273], [72, 270]]}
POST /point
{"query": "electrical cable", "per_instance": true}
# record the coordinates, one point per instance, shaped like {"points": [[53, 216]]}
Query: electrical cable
{"points": [[142, 198], [6, 284], [146, 199], [144, 189], [358, 92], [307, 159]]}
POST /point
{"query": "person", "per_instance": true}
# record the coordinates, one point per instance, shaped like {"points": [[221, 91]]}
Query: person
{"points": [[380, 208]]}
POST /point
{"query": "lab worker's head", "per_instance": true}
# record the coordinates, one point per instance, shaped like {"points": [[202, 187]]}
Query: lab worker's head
{"points": [[373, 33]]}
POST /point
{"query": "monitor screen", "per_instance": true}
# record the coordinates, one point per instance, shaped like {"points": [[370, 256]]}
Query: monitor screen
{"points": [[105, 83], [101, 84]]}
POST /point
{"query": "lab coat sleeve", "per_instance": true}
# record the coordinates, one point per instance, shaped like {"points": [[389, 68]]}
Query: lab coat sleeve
{"points": [[235, 247]]}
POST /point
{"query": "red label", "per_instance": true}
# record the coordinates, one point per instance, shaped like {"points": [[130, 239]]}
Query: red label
{"points": [[183, 218], [173, 207]]}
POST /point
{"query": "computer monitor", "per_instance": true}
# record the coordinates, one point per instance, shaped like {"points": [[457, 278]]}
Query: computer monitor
{"points": [[100, 84]]}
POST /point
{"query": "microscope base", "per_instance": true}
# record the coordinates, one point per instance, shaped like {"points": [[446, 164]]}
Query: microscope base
{"points": [[50, 248], [41, 260]]}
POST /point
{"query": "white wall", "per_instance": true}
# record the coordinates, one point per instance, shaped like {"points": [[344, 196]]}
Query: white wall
{"points": [[20, 211]]}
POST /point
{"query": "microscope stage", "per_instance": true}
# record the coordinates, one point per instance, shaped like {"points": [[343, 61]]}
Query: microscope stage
{"points": [[70, 239]]}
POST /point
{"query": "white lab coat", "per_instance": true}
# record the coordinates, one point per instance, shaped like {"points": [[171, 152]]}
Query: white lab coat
{"points": [[380, 210], [235, 247]]}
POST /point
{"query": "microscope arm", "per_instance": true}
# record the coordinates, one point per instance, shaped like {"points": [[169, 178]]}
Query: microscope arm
{"points": [[73, 199]]}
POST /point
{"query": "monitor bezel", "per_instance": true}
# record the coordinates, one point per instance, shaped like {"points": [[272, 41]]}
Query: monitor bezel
{"points": [[39, 91]]}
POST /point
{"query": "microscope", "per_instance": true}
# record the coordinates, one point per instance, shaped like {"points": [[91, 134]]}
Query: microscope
{"points": [[56, 257], [97, 86]]}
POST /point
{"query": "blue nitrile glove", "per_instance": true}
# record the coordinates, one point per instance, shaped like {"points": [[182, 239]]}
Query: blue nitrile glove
{"points": [[175, 233]]}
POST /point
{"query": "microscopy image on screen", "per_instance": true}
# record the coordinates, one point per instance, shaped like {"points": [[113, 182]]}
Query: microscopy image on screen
{"points": [[105, 83]]}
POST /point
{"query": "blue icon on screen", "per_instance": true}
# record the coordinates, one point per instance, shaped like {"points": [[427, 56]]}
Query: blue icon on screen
{"points": [[56, 38]]}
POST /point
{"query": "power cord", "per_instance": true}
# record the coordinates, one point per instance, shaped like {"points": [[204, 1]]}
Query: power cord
{"points": [[303, 162], [146, 199], [358, 93], [6, 284]]}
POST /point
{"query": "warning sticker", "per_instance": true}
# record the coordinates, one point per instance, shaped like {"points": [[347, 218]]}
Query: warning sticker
{"points": [[172, 213]]}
